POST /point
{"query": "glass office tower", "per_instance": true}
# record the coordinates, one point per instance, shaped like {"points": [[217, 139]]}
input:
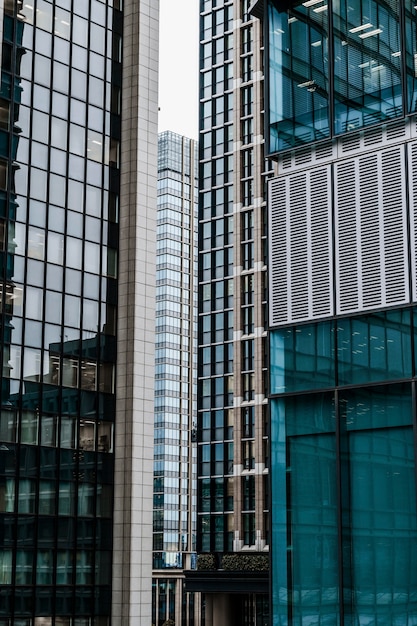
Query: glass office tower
{"points": [[233, 519], [343, 289], [63, 203], [175, 458]]}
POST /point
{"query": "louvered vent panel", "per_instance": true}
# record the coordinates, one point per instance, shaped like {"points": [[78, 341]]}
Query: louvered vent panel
{"points": [[350, 142], [298, 261], [321, 243], [300, 209], [286, 160], [373, 136], [395, 226], [371, 254], [324, 150], [412, 161], [396, 130], [278, 274], [347, 248], [369, 227], [303, 156]]}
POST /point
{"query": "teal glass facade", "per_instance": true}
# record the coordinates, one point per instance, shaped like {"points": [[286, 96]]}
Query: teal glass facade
{"points": [[343, 418], [335, 67]]}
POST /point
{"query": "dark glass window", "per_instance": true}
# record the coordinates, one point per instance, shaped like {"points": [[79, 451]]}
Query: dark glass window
{"points": [[367, 64], [298, 75]]}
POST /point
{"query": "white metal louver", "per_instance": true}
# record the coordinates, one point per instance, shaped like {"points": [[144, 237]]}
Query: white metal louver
{"points": [[300, 246], [412, 172], [371, 231]]}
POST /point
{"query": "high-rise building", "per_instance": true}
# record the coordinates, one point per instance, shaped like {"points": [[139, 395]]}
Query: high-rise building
{"points": [[233, 510], [174, 522], [78, 173], [341, 104]]}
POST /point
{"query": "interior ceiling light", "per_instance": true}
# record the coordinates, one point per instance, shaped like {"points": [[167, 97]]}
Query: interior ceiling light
{"points": [[320, 9], [370, 33], [308, 83], [359, 28]]}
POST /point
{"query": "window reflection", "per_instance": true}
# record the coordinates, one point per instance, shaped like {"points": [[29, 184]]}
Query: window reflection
{"points": [[367, 52], [411, 54], [367, 64], [87, 435], [299, 106]]}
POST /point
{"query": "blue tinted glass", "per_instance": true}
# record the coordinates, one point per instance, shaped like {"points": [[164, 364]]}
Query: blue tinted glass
{"points": [[379, 526], [302, 358], [367, 63], [298, 66], [304, 506], [376, 407], [411, 54], [375, 347]]}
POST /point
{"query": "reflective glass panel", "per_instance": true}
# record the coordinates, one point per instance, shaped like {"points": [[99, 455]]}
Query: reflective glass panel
{"points": [[304, 505], [367, 63], [379, 535], [411, 54], [374, 347], [302, 358], [298, 66]]}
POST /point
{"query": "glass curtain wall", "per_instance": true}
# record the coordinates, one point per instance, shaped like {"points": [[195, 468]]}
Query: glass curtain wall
{"points": [[175, 455], [59, 188], [338, 66], [343, 471]]}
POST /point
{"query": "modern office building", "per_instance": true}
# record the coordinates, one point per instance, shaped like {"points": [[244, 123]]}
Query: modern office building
{"points": [[341, 123], [233, 510], [175, 458], [78, 163]]}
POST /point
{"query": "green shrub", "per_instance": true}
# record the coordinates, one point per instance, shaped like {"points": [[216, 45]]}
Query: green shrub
{"points": [[206, 562], [246, 562]]}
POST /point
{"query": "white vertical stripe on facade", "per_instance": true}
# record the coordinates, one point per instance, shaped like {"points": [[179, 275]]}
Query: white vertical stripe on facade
{"points": [[412, 172], [301, 245], [133, 485]]}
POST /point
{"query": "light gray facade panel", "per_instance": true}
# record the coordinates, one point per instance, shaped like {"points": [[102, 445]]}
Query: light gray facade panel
{"points": [[371, 232], [365, 210], [301, 247]]}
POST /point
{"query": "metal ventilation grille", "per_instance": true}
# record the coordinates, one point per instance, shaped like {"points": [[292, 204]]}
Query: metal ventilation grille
{"points": [[412, 168], [371, 232], [278, 290], [300, 254]]}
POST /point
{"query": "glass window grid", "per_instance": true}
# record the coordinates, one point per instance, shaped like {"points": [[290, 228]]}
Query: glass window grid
{"points": [[47, 440], [210, 148], [383, 90], [370, 348], [372, 415]]}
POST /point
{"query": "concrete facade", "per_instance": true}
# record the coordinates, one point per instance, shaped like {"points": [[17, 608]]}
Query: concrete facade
{"points": [[132, 560]]}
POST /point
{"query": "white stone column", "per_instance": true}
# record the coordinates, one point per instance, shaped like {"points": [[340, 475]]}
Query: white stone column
{"points": [[132, 550]]}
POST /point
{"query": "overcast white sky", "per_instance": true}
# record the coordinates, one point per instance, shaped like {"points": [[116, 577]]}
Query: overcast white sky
{"points": [[178, 67]]}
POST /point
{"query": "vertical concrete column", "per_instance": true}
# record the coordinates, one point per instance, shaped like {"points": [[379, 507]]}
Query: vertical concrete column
{"points": [[132, 554], [209, 610], [223, 614]]}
